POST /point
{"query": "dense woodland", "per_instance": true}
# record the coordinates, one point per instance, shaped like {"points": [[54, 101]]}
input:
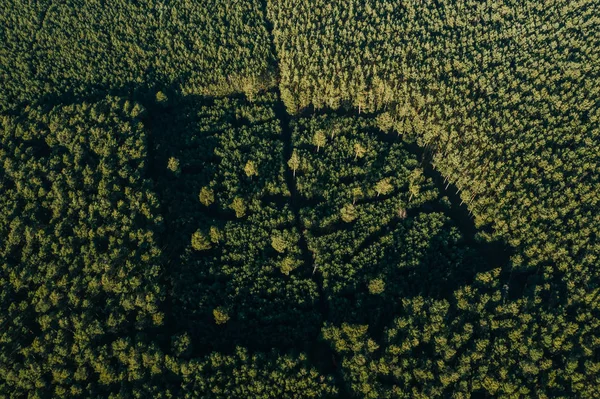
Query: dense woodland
{"points": [[60, 51], [289, 199]]}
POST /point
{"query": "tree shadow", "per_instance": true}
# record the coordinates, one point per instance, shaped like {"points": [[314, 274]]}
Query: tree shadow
{"points": [[266, 308], [413, 257], [435, 267]]}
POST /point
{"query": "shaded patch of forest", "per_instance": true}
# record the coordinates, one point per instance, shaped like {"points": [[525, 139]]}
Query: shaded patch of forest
{"points": [[411, 214]]}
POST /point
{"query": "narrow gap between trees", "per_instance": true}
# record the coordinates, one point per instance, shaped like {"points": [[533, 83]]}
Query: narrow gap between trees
{"points": [[320, 353]]}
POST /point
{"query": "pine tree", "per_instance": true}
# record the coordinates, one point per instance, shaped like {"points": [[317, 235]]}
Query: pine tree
{"points": [[206, 196], [294, 162], [239, 206], [383, 187], [200, 242], [348, 213], [250, 169], [319, 140], [359, 151]]}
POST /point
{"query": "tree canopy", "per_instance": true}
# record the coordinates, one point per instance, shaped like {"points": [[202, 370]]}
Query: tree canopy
{"points": [[290, 199]]}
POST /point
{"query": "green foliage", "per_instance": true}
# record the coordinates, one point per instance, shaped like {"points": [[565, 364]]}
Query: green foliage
{"points": [[288, 265], [479, 341], [278, 243], [356, 236], [207, 196], [209, 47], [221, 315], [239, 207], [81, 264], [215, 235], [294, 162], [385, 122], [246, 375], [205, 244], [376, 286], [250, 169], [348, 213], [254, 268], [503, 98], [319, 139], [181, 345], [161, 97], [503, 95], [359, 151], [173, 165], [200, 242], [384, 187]]}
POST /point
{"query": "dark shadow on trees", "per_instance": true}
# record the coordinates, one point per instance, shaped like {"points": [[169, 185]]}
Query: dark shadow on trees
{"points": [[197, 283], [447, 263]]}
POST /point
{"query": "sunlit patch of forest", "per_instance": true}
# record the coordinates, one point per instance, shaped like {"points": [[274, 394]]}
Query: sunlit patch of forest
{"points": [[299, 199]]}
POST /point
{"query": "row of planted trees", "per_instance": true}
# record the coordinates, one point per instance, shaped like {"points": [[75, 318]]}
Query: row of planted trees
{"points": [[58, 52], [502, 96]]}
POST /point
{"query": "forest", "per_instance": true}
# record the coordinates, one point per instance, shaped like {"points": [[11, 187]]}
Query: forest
{"points": [[299, 199]]}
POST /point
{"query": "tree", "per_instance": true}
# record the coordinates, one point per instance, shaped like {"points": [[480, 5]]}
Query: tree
{"points": [[161, 98], [359, 151], [416, 177], [215, 235], [357, 193], [200, 242], [294, 162], [207, 196], [376, 286], [239, 206], [250, 169], [173, 165], [385, 122], [384, 187], [181, 344], [287, 265], [319, 139], [221, 315], [251, 87], [348, 213], [279, 243], [413, 189]]}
